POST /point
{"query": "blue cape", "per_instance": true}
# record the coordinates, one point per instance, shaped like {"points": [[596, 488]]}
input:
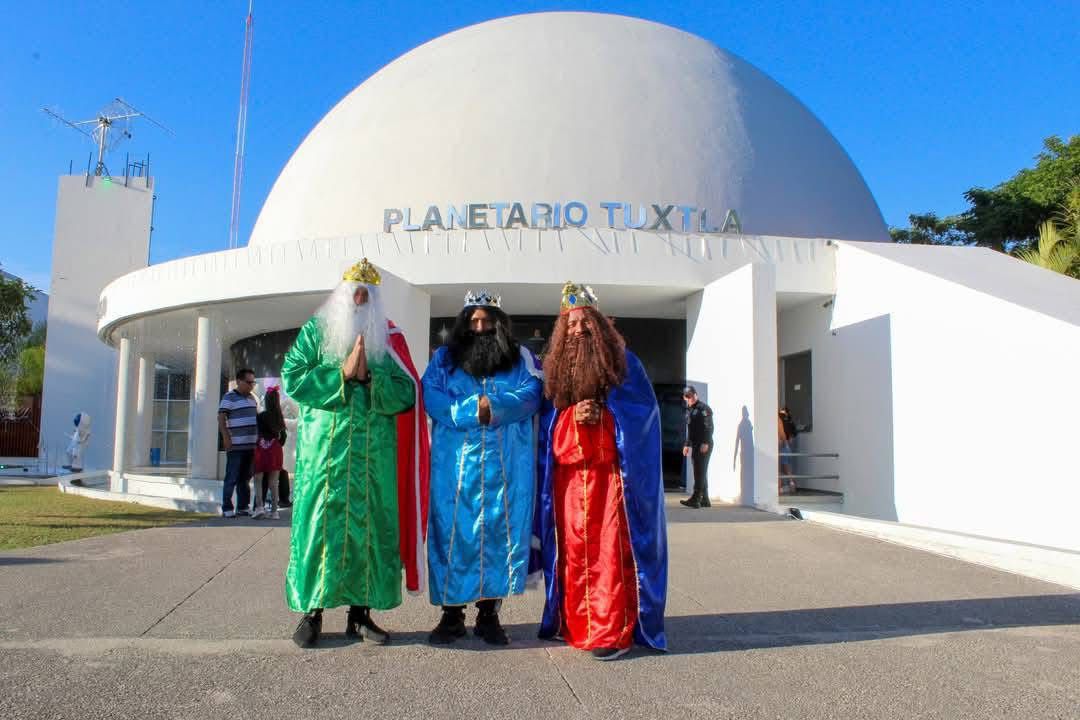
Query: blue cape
{"points": [[637, 435]]}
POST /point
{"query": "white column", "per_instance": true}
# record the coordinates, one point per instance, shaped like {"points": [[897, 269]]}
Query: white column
{"points": [[731, 358], [205, 396], [120, 439], [144, 412]]}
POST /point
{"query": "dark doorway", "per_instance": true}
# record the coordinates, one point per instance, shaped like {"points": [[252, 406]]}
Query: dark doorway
{"points": [[796, 390]]}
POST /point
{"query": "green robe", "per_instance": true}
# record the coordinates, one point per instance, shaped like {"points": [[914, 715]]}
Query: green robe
{"points": [[344, 545]]}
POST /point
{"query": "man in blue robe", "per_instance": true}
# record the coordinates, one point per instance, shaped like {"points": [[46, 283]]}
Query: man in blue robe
{"points": [[600, 514], [482, 391]]}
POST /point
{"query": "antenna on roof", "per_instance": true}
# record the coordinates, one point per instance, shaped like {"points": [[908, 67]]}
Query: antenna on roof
{"points": [[110, 128], [241, 128]]}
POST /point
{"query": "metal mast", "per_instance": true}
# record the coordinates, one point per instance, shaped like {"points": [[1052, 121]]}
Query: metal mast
{"points": [[115, 117], [241, 128]]}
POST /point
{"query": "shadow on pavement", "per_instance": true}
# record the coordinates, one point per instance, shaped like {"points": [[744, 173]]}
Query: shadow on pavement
{"points": [[699, 634], [720, 514], [28, 560], [691, 634]]}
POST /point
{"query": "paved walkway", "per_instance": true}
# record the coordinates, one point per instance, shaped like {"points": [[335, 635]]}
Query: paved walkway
{"points": [[767, 618]]}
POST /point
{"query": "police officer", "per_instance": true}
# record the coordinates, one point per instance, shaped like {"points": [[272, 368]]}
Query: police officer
{"points": [[698, 445]]}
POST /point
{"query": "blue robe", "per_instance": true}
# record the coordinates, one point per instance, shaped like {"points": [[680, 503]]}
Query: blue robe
{"points": [[483, 480], [637, 436]]}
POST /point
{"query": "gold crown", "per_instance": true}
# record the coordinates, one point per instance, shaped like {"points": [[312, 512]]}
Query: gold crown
{"points": [[577, 296], [363, 272]]}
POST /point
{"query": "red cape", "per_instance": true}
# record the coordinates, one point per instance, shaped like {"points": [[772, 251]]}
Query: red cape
{"points": [[414, 470]]}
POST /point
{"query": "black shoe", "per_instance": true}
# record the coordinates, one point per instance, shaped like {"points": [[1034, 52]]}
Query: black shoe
{"points": [[307, 632], [704, 502], [450, 627], [691, 502], [609, 653], [490, 630], [360, 626]]}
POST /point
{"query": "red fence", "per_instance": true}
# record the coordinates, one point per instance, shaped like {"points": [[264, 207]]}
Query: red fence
{"points": [[19, 430]]}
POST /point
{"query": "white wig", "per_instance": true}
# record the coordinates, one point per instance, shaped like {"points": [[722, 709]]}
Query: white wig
{"points": [[341, 320]]}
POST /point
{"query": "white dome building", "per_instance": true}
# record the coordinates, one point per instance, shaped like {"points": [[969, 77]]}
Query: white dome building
{"points": [[558, 107], [715, 216], [514, 155]]}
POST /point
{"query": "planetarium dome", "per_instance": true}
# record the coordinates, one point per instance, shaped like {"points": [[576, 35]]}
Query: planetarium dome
{"points": [[557, 107]]}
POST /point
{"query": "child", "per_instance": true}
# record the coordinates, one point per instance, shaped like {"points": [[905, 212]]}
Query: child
{"points": [[268, 453]]}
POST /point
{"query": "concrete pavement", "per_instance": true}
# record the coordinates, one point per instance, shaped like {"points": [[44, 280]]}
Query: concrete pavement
{"points": [[767, 618]]}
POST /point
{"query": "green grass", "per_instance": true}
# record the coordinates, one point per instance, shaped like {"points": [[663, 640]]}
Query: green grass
{"points": [[31, 516]]}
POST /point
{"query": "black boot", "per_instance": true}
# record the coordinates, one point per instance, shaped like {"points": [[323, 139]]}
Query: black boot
{"points": [[488, 627], [451, 626], [360, 626], [703, 501], [307, 632], [694, 501]]}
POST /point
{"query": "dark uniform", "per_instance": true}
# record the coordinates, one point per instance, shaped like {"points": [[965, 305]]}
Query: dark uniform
{"points": [[699, 431]]}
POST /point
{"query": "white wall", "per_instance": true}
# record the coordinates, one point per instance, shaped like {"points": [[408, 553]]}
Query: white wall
{"points": [[983, 402], [102, 232], [852, 405], [731, 358], [410, 309]]}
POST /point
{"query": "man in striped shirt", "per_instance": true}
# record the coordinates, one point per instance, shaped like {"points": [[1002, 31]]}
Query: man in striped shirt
{"points": [[236, 422]]}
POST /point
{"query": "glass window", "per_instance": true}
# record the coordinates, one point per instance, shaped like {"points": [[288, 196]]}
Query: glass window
{"points": [[178, 415], [176, 447], [160, 411], [179, 387], [161, 385]]}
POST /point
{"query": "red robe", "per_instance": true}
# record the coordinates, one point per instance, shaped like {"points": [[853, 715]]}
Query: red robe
{"points": [[595, 561], [413, 469]]}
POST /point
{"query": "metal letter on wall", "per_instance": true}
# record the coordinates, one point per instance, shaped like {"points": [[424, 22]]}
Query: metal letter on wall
{"points": [[391, 217], [576, 207]]}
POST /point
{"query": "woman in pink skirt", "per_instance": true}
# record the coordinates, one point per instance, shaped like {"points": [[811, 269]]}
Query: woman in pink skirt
{"points": [[268, 452]]}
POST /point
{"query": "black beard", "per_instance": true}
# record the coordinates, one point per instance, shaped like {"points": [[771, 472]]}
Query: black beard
{"points": [[485, 355]]}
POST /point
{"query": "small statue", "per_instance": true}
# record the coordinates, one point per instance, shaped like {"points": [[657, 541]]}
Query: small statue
{"points": [[77, 444]]}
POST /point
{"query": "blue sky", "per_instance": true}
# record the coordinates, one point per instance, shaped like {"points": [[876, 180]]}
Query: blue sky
{"points": [[928, 98]]}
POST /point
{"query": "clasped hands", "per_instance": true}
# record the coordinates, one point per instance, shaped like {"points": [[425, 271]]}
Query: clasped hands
{"points": [[483, 410], [587, 412], [355, 366]]}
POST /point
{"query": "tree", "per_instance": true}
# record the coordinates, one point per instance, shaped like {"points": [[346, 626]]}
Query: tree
{"points": [[14, 319], [31, 371], [37, 334], [1008, 215], [1001, 219], [1053, 251], [929, 229]]}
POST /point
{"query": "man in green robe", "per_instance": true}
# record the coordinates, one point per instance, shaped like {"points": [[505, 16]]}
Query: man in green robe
{"points": [[351, 384]]}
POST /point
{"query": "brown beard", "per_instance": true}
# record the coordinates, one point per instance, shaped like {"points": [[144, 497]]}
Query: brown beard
{"points": [[584, 368]]}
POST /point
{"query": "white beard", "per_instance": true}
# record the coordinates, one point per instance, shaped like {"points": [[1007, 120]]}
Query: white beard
{"points": [[341, 320]]}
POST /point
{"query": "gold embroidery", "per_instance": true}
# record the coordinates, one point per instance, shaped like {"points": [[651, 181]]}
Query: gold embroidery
{"points": [[500, 437], [483, 484], [367, 503], [585, 530], [326, 501], [348, 485], [453, 518]]}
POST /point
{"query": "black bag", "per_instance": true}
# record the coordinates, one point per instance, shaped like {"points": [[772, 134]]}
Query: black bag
{"points": [[283, 489]]}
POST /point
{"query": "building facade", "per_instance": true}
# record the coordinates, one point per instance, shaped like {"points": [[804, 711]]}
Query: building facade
{"points": [[706, 206]]}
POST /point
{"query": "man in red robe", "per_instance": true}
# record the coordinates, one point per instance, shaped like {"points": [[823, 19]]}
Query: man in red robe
{"points": [[600, 516]]}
